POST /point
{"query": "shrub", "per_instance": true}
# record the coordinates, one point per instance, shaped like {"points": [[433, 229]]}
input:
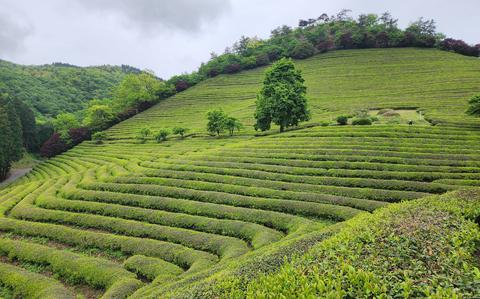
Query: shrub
{"points": [[303, 50], [374, 118], [99, 137], [342, 120], [262, 59], [179, 131], [362, 122], [78, 135], [162, 135], [324, 123], [143, 134], [233, 68], [459, 46], [474, 108], [181, 85], [420, 232], [53, 146]]}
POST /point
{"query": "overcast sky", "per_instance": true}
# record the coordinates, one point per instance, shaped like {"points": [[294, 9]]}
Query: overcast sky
{"points": [[175, 36]]}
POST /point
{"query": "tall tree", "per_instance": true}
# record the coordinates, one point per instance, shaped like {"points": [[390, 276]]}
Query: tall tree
{"points": [[29, 129], [282, 99], [16, 134], [11, 141], [5, 162], [64, 122]]}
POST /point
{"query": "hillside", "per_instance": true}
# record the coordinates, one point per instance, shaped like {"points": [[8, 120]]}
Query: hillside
{"points": [[52, 89], [203, 216], [435, 82]]}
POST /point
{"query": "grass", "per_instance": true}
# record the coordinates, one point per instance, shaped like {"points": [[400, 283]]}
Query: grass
{"points": [[203, 216]]}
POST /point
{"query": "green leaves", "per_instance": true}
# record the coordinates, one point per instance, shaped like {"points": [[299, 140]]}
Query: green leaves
{"points": [[282, 99], [137, 89], [219, 121], [474, 108]]}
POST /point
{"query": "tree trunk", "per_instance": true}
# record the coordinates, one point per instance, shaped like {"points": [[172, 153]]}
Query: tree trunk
{"points": [[282, 128]]}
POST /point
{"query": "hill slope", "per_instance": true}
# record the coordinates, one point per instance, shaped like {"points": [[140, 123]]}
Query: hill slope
{"points": [[201, 217], [56, 88], [437, 82]]}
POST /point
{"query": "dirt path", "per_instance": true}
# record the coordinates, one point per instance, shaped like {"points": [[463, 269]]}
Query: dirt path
{"points": [[14, 175]]}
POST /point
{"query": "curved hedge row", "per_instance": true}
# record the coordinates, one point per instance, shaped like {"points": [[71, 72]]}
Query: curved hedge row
{"points": [[73, 268], [26, 284]]}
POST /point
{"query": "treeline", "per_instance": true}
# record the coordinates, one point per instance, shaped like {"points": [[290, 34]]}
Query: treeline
{"points": [[59, 87], [19, 132], [320, 35], [134, 94]]}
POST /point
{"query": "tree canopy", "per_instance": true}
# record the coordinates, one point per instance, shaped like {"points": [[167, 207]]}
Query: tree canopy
{"points": [[474, 108], [12, 134], [282, 99], [142, 88]]}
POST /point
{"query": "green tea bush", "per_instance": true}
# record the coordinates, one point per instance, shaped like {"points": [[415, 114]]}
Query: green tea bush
{"points": [[26, 284], [151, 268], [434, 239], [99, 137], [342, 120], [362, 122]]}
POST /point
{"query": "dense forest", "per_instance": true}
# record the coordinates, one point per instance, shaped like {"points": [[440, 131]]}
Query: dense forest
{"points": [[59, 87], [19, 132]]}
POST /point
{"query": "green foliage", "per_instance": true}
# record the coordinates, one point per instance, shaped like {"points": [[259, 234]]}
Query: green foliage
{"points": [[98, 117], [302, 50], [342, 120], [64, 122], [474, 108], [137, 89], [179, 131], [216, 121], [219, 121], [232, 124], [99, 137], [53, 89], [203, 217], [162, 135], [143, 134], [11, 141], [27, 120], [362, 122], [434, 240], [26, 284], [282, 99]]}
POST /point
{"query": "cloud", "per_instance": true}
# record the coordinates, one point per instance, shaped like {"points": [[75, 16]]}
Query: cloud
{"points": [[12, 35], [151, 15]]}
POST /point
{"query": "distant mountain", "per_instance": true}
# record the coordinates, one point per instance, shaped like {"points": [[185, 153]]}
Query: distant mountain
{"points": [[59, 87]]}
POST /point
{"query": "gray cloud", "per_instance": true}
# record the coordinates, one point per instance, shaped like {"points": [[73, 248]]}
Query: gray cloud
{"points": [[12, 35], [151, 15]]}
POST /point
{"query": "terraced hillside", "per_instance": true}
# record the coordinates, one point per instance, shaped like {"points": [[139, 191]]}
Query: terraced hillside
{"points": [[172, 219]]}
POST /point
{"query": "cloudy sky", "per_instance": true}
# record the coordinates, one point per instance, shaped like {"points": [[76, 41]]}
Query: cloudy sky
{"points": [[175, 36]]}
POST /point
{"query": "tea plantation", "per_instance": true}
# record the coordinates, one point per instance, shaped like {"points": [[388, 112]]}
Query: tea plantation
{"points": [[386, 210]]}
